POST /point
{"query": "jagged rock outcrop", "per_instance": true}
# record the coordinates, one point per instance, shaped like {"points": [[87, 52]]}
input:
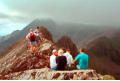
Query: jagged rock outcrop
{"points": [[105, 47], [67, 43], [48, 74], [18, 58], [46, 34]]}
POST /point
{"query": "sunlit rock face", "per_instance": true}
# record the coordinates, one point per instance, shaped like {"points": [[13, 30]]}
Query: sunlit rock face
{"points": [[48, 74]]}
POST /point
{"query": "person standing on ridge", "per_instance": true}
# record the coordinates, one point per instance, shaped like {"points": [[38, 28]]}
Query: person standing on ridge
{"points": [[32, 37], [82, 59], [61, 60], [36, 31], [53, 64]]}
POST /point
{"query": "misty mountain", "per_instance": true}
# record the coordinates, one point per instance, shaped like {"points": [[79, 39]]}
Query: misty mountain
{"points": [[67, 43], [9, 39], [104, 55]]}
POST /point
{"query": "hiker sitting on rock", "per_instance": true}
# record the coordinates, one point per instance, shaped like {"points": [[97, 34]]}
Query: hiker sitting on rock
{"points": [[69, 58], [53, 64], [32, 37], [82, 59], [61, 60]]}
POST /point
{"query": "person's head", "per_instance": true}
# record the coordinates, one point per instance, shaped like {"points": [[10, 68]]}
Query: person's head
{"points": [[68, 50], [64, 50], [38, 27], [31, 30], [82, 50], [55, 52], [60, 52]]}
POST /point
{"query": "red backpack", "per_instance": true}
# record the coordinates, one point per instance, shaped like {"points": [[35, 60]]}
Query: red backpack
{"points": [[32, 37]]}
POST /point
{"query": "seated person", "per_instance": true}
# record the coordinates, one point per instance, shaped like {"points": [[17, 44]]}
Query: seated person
{"points": [[53, 64], [82, 59], [61, 60], [69, 58]]}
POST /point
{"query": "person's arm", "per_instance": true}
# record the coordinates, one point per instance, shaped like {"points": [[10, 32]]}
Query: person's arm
{"points": [[26, 37], [50, 61], [76, 58], [65, 60], [75, 61], [71, 58], [56, 60]]}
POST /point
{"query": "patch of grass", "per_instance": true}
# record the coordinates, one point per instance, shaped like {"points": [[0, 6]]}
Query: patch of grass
{"points": [[108, 77]]}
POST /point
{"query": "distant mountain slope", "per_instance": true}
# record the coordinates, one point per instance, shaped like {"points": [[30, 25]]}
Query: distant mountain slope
{"points": [[104, 55], [67, 43], [81, 34], [78, 32], [17, 35], [9, 39], [17, 58]]}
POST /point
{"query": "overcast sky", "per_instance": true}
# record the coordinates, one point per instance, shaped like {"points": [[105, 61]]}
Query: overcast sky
{"points": [[21, 12]]}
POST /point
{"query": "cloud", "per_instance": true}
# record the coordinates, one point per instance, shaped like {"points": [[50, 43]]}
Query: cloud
{"points": [[3, 16], [103, 12], [15, 14]]}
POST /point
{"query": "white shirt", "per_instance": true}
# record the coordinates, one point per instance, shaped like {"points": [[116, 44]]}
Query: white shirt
{"points": [[36, 32], [53, 61], [69, 57]]}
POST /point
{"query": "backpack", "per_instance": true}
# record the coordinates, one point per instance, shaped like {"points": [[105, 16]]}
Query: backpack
{"points": [[32, 37]]}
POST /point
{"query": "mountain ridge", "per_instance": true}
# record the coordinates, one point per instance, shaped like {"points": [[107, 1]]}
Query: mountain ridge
{"points": [[84, 32], [18, 61]]}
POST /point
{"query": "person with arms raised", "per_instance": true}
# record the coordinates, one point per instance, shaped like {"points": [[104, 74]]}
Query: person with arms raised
{"points": [[33, 43], [37, 32]]}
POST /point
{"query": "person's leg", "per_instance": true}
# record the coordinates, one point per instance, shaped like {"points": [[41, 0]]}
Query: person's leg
{"points": [[36, 46], [37, 41], [53, 68], [32, 48], [28, 46], [69, 67]]}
